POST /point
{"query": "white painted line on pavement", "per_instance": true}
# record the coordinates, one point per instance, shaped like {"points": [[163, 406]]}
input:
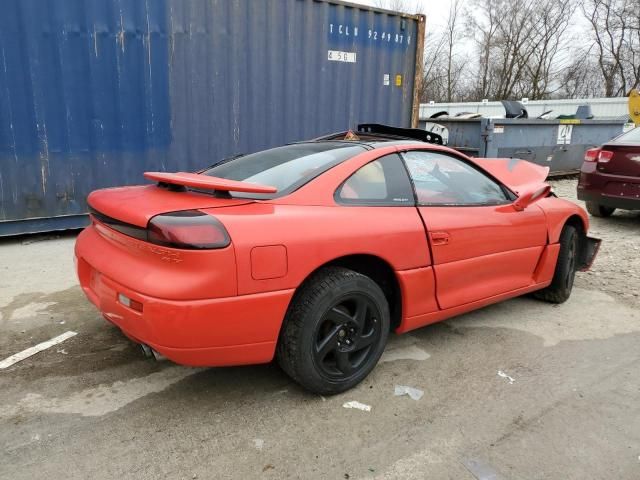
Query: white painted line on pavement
{"points": [[7, 362]]}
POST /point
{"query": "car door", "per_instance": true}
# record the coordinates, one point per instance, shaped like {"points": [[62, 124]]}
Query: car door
{"points": [[381, 191], [480, 245]]}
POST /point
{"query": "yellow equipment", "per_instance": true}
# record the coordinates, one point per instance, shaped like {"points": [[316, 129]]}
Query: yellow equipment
{"points": [[634, 106]]}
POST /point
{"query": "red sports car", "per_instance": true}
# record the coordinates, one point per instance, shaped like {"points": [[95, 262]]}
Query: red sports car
{"points": [[314, 251], [610, 176]]}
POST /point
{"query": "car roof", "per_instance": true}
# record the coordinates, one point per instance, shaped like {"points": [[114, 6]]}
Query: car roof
{"points": [[370, 144]]}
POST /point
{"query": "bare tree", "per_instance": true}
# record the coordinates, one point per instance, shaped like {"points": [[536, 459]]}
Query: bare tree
{"points": [[484, 21], [609, 22], [608, 63], [512, 50], [517, 43], [442, 70], [547, 42], [434, 67], [444, 64], [405, 6], [504, 31], [632, 59], [452, 36], [580, 77], [526, 48]]}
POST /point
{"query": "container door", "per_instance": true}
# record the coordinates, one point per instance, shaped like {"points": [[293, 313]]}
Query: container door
{"points": [[481, 246]]}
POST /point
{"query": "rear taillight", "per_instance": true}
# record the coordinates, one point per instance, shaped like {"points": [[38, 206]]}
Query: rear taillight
{"points": [[604, 156], [591, 155], [189, 229]]}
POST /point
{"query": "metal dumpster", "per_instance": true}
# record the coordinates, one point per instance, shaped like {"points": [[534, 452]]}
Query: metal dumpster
{"points": [[558, 144], [95, 92]]}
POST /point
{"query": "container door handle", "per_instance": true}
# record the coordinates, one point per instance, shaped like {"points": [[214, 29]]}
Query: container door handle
{"points": [[440, 238]]}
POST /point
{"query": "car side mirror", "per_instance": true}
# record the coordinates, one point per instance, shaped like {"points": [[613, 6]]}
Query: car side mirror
{"points": [[530, 195]]}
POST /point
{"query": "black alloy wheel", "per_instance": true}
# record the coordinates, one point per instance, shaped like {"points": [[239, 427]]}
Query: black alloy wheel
{"points": [[335, 331], [346, 335]]}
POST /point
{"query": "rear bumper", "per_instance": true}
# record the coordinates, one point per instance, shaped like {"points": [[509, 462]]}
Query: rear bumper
{"points": [[615, 191], [622, 202], [238, 330], [609, 201]]}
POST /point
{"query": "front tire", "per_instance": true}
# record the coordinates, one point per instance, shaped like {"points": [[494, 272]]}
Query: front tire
{"points": [[562, 283], [598, 210], [334, 332]]}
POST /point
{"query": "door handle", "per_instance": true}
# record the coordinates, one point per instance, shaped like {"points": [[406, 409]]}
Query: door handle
{"points": [[440, 238]]}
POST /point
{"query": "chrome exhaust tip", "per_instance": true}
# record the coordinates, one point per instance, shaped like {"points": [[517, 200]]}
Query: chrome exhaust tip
{"points": [[146, 350], [158, 356], [149, 352]]}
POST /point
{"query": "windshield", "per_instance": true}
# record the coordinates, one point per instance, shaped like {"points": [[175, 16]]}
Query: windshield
{"points": [[285, 168], [632, 136]]}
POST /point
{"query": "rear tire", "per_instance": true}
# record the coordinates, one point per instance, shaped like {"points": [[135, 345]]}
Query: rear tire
{"points": [[598, 210], [334, 332], [562, 283]]}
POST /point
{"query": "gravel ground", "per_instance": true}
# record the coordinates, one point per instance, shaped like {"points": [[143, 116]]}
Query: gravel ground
{"points": [[617, 268], [517, 390]]}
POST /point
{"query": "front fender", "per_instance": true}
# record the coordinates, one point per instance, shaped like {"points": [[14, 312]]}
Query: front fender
{"points": [[558, 211]]}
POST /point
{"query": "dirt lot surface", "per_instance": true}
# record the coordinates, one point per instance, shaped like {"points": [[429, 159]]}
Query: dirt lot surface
{"points": [[518, 390], [617, 271]]}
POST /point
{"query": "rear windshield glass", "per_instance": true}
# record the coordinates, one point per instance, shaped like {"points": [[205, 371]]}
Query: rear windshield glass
{"points": [[632, 136], [285, 168]]}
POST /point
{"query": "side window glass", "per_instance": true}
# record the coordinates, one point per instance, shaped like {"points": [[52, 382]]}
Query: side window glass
{"points": [[381, 182], [441, 179]]}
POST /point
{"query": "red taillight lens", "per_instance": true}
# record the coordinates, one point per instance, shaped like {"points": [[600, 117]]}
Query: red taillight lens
{"points": [[190, 229], [604, 156], [591, 155]]}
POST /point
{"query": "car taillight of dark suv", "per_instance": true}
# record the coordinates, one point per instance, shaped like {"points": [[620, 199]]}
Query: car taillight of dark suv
{"points": [[610, 176]]}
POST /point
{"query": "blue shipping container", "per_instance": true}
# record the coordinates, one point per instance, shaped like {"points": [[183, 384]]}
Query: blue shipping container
{"points": [[95, 92]]}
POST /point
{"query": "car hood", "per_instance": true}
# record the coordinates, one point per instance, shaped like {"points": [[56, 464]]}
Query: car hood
{"points": [[513, 172]]}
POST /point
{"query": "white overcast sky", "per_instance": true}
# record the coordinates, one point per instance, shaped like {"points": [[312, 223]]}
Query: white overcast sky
{"points": [[435, 10]]}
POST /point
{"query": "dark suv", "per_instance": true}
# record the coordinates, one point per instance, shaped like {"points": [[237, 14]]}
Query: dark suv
{"points": [[610, 176]]}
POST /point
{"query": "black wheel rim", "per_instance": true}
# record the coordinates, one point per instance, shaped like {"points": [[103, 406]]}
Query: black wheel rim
{"points": [[571, 263], [346, 336]]}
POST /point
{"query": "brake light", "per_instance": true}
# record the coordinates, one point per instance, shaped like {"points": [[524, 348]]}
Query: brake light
{"points": [[191, 229], [591, 155], [604, 156]]}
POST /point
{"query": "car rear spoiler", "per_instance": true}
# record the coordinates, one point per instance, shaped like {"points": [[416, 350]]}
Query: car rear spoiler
{"points": [[205, 182], [386, 132]]}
